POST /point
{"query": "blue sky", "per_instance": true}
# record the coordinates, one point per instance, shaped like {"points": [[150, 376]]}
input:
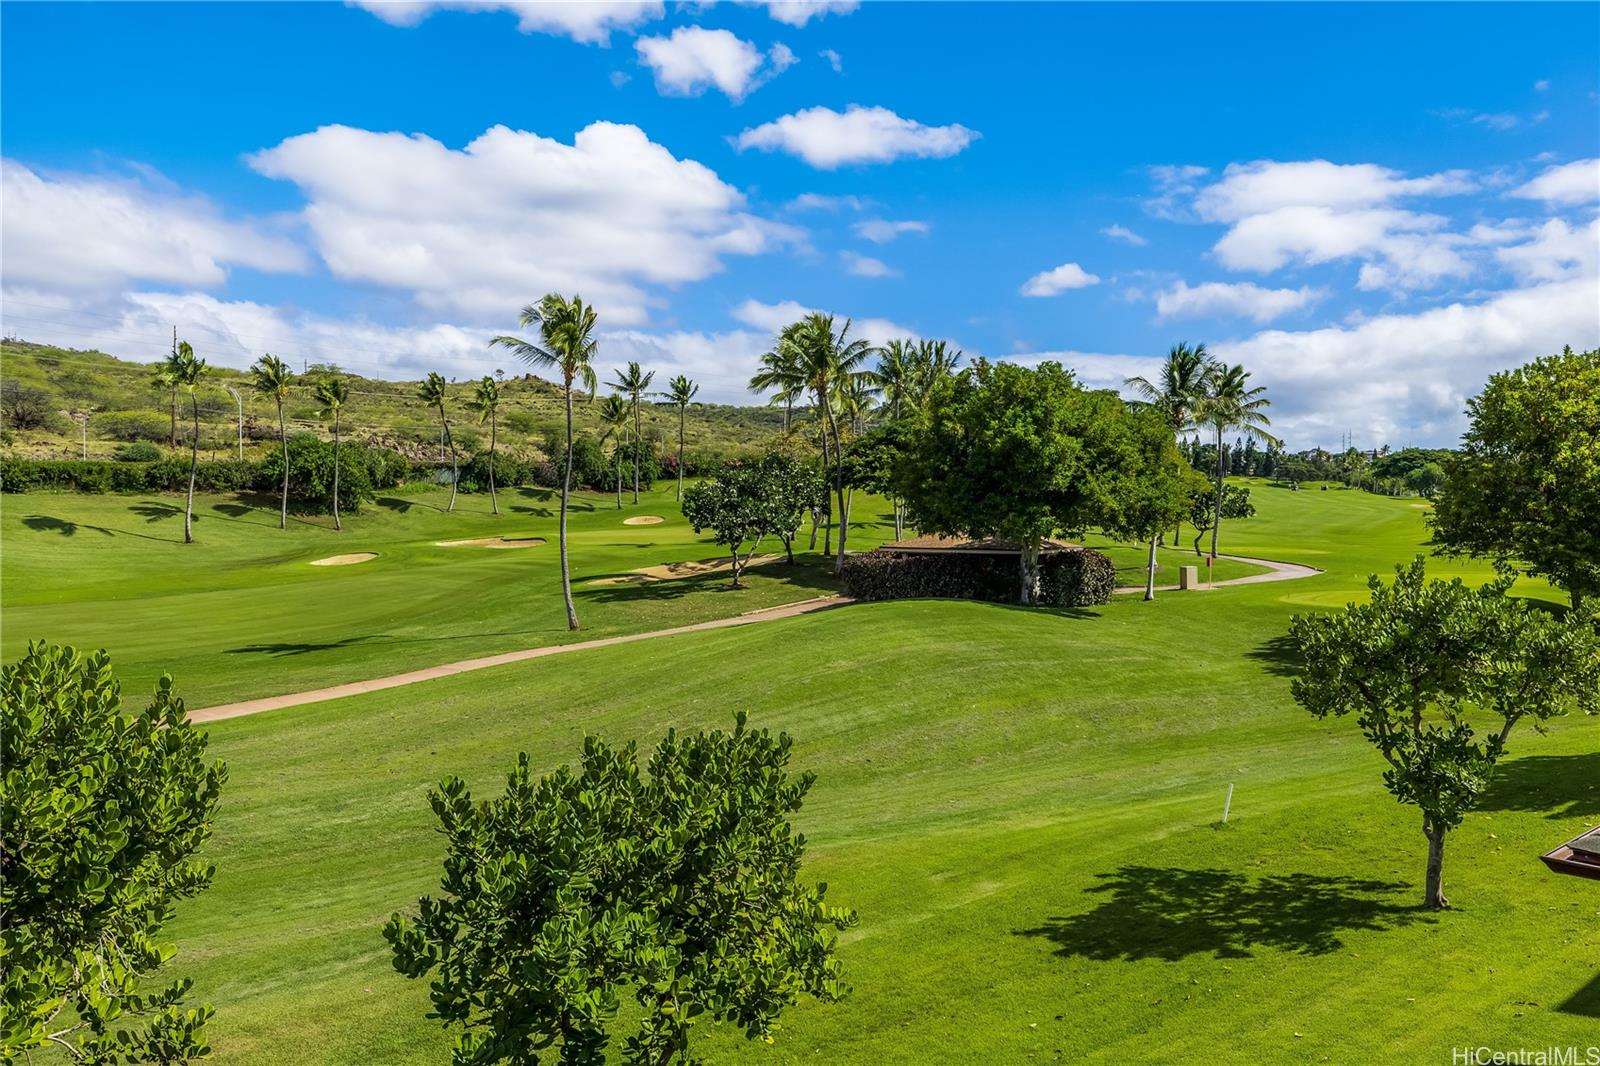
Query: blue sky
{"points": [[1371, 206]]}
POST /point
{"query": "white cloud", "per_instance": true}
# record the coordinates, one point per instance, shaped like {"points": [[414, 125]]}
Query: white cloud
{"points": [[835, 60], [884, 230], [811, 201], [1542, 85], [589, 22], [1557, 251], [1244, 300], [1501, 121], [770, 318], [1577, 182], [80, 232], [828, 139], [1174, 184], [1124, 234], [514, 215], [864, 266], [1066, 276], [693, 59], [1248, 189], [800, 12]]}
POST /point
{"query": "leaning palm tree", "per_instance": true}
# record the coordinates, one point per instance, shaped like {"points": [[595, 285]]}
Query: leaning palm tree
{"points": [[332, 394], [567, 344], [486, 401], [779, 374], [680, 393], [1229, 402], [1179, 388], [188, 373], [614, 417], [270, 377], [432, 393], [634, 382], [829, 364]]}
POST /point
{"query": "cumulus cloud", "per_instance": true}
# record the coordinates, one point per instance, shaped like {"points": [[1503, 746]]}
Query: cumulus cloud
{"points": [[1064, 277], [1577, 182], [693, 59], [811, 201], [80, 232], [1124, 234], [1557, 251], [1243, 300], [864, 266], [835, 60], [800, 12], [513, 215], [884, 230], [829, 139], [589, 22], [770, 318]]}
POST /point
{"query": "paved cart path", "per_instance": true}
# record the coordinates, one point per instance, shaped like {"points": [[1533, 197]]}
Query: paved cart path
{"points": [[1276, 571]]}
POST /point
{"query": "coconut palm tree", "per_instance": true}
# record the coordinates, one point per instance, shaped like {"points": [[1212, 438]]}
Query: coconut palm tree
{"points": [[614, 416], [332, 394], [486, 401], [567, 344], [188, 372], [432, 393], [830, 364], [779, 374], [1228, 402], [680, 392], [897, 374], [270, 377], [634, 382], [1179, 388]]}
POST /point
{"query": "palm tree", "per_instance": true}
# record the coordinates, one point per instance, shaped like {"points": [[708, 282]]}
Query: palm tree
{"points": [[635, 382], [830, 364], [1228, 402], [897, 374], [614, 416], [566, 333], [780, 373], [332, 394], [270, 377], [432, 393], [187, 372], [680, 392], [486, 401], [1179, 388]]}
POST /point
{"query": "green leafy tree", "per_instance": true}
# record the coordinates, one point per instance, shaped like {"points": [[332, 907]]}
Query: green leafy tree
{"points": [[1203, 509], [1230, 403], [103, 814], [271, 377], [1006, 451], [486, 401], [614, 415], [432, 392], [679, 886], [1425, 480], [1423, 660], [189, 372], [1524, 490], [1158, 487], [567, 345], [799, 485], [744, 503], [333, 394], [634, 382], [680, 393]]}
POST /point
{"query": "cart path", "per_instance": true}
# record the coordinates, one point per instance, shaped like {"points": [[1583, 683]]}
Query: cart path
{"points": [[1276, 571], [411, 677]]}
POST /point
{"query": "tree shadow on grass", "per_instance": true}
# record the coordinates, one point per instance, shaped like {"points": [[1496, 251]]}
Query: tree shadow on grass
{"points": [[1559, 786], [631, 587], [45, 523], [1585, 1002], [1280, 656], [1169, 913], [156, 511], [283, 649]]}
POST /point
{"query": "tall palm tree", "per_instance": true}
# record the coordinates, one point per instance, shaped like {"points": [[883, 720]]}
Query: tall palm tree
{"points": [[567, 344], [188, 372], [270, 377], [830, 364], [432, 392], [332, 394], [1178, 390], [897, 375], [779, 373], [680, 393], [1229, 402], [486, 401], [635, 383], [614, 416]]}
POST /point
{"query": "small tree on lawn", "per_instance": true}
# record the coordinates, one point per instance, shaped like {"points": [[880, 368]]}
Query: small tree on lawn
{"points": [[680, 886], [1423, 658], [1160, 492], [103, 813], [799, 487], [1203, 510], [745, 503]]}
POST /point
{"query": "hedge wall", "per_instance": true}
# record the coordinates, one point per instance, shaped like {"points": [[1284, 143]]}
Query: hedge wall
{"points": [[1076, 578]]}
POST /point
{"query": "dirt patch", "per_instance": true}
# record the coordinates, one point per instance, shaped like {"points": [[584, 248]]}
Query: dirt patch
{"points": [[492, 542], [671, 571], [346, 560], [644, 520]]}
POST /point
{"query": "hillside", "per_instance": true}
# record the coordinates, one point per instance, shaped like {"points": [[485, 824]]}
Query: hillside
{"points": [[46, 389]]}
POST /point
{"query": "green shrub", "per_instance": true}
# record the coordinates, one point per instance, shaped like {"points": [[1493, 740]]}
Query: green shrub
{"points": [[26, 407], [1079, 577], [137, 452], [311, 473], [508, 471], [130, 425]]}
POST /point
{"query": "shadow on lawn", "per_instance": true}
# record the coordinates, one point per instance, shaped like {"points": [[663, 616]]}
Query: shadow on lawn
{"points": [[1585, 1002], [1169, 913], [1559, 786], [44, 523], [280, 650], [1279, 655]]}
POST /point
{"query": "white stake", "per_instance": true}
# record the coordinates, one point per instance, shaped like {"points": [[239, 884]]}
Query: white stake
{"points": [[1226, 804]]}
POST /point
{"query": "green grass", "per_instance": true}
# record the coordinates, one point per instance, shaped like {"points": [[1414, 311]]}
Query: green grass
{"points": [[1021, 805]]}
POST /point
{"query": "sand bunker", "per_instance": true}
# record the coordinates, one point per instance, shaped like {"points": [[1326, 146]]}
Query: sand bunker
{"points": [[670, 571], [346, 560], [644, 520], [492, 542]]}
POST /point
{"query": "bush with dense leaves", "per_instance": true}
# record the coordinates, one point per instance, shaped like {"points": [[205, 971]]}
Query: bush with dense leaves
{"points": [[311, 473], [103, 814], [103, 475], [131, 425], [591, 465], [508, 471], [1076, 578], [139, 451], [26, 407]]}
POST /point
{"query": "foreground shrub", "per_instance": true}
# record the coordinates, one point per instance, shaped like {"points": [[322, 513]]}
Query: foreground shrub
{"points": [[681, 887], [103, 813], [1076, 578]]}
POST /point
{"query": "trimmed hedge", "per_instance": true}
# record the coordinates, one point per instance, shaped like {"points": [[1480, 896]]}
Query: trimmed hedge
{"points": [[1076, 578], [105, 475]]}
